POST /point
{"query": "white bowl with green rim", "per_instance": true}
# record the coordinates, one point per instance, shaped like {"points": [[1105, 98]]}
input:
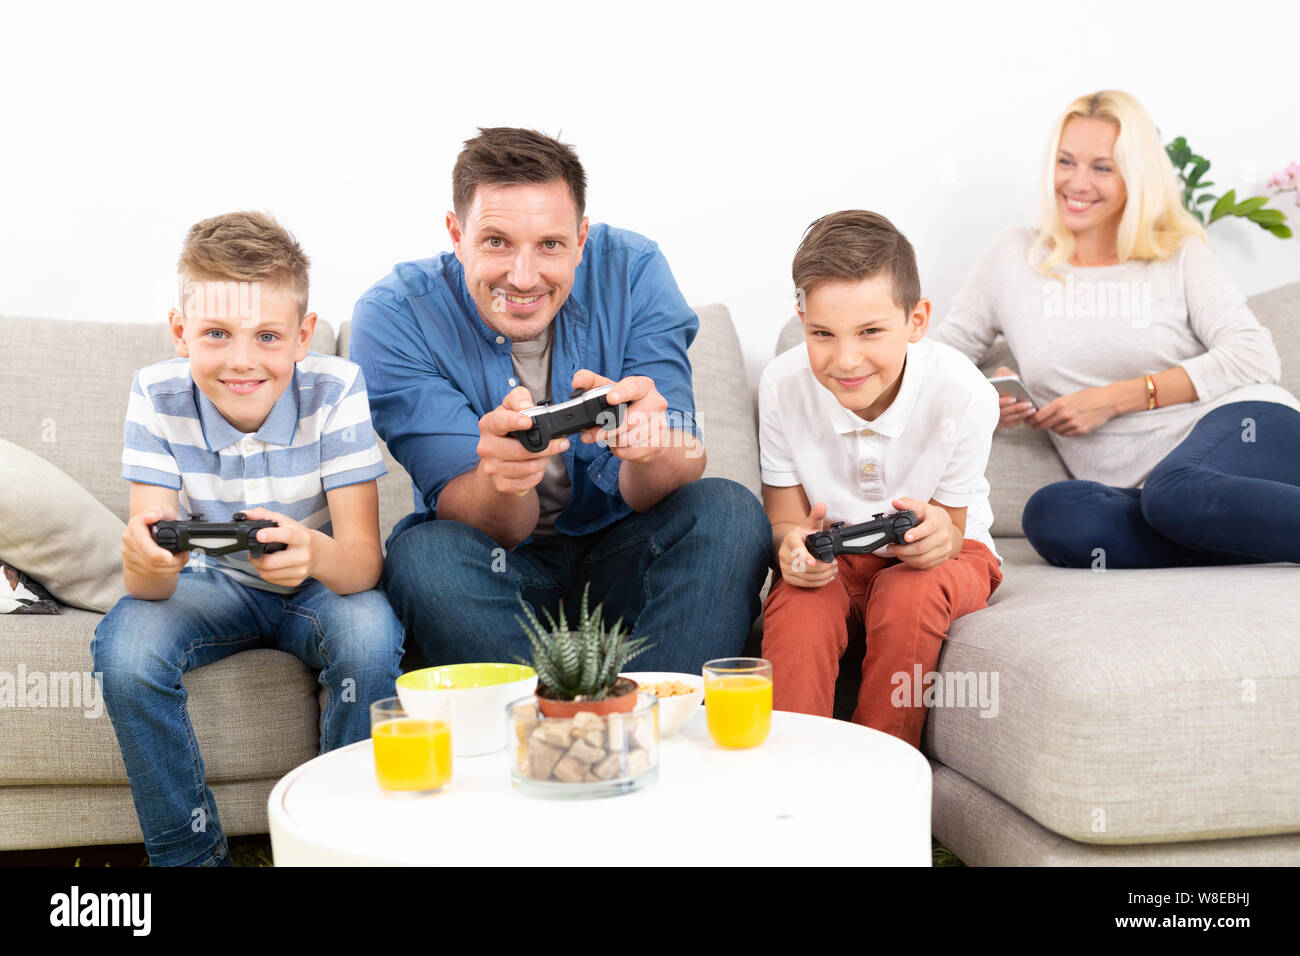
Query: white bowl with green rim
{"points": [[478, 693]]}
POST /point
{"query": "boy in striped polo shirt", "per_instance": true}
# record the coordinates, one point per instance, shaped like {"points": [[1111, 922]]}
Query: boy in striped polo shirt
{"points": [[245, 420]]}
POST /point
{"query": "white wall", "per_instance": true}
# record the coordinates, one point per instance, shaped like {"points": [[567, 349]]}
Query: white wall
{"points": [[719, 130]]}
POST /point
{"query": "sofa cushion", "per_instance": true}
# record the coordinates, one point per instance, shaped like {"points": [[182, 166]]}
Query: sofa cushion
{"points": [[1132, 706], [66, 400], [724, 406], [1278, 310], [53, 530], [69, 738], [982, 830]]}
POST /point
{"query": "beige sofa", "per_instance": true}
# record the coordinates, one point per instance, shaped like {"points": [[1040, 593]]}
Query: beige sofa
{"points": [[1144, 716]]}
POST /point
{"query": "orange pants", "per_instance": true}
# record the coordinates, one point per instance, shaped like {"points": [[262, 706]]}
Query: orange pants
{"points": [[906, 613]]}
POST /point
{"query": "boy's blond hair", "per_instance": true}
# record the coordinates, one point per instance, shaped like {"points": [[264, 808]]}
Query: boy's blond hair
{"points": [[244, 247]]}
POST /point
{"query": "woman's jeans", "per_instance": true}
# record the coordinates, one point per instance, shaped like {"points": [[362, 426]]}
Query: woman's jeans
{"points": [[1229, 494], [141, 649]]}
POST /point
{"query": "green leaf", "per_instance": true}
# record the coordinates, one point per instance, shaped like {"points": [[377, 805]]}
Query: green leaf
{"points": [[1267, 217], [1224, 205], [1204, 185], [1206, 198], [1247, 206], [1281, 231], [1197, 172], [590, 657], [1179, 153], [1200, 215]]}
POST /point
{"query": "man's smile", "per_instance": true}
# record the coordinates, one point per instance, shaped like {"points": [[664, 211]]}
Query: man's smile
{"points": [[517, 304]]}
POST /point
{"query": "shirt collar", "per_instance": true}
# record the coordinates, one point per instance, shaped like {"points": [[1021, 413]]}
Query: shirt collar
{"points": [[280, 427], [893, 419]]}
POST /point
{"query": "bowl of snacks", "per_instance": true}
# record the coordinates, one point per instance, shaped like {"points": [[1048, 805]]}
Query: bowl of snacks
{"points": [[679, 695], [477, 693]]}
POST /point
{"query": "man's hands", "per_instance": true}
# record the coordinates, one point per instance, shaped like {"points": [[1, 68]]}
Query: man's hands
{"points": [[512, 468], [931, 542], [798, 567], [141, 555], [297, 562], [645, 430]]}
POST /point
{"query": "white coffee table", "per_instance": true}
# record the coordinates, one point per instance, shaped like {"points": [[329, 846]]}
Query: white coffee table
{"points": [[818, 791]]}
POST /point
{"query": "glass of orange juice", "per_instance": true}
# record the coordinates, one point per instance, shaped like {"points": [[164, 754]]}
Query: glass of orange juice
{"points": [[738, 700], [412, 754]]}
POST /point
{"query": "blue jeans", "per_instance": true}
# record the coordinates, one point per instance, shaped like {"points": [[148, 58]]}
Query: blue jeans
{"points": [[1228, 494], [142, 648], [686, 573]]}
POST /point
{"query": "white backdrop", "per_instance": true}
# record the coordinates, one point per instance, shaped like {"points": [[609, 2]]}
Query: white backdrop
{"points": [[718, 129]]}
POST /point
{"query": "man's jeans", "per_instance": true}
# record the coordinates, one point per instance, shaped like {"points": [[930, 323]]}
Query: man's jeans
{"points": [[687, 573], [143, 647], [1228, 494]]}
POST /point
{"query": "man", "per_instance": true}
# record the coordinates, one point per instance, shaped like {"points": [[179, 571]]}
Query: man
{"points": [[533, 304]]}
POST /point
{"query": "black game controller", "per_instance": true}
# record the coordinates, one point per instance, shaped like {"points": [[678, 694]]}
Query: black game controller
{"points": [[215, 537], [583, 410], [860, 538]]}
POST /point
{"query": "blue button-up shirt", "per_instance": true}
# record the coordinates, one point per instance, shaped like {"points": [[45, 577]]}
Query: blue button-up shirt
{"points": [[433, 367]]}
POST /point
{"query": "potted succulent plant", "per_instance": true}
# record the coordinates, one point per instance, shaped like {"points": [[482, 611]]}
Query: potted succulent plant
{"points": [[577, 670]]}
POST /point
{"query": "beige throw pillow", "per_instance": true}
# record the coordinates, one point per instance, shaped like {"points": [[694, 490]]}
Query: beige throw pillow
{"points": [[54, 530]]}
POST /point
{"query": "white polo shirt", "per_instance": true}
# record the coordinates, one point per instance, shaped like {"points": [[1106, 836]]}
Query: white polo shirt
{"points": [[931, 442]]}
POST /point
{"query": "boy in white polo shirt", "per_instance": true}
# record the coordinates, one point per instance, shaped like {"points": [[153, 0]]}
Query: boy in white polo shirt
{"points": [[245, 420], [870, 417]]}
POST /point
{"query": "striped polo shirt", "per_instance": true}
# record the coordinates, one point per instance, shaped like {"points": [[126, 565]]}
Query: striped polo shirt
{"points": [[317, 437]]}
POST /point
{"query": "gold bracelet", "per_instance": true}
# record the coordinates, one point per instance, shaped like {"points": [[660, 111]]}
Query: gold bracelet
{"points": [[1151, 391]]}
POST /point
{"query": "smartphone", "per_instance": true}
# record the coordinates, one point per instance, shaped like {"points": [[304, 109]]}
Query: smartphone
{"points": [[1011, 385]]}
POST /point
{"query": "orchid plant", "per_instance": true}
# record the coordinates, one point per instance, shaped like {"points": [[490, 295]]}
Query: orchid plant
{"points": [[1287, 181]]}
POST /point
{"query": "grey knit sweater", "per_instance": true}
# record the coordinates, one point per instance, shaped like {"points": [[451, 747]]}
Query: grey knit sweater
{"points": [[1104, 324]]}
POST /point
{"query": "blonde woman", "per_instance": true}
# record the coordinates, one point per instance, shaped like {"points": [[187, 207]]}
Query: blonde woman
{"points": [[1154, 381]]}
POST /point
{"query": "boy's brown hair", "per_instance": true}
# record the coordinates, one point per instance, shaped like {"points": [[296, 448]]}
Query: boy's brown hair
{"points": [[503, 155], [853, 245], [245, 247]]}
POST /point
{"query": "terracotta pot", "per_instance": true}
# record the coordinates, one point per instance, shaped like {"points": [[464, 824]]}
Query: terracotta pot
{"points": [[621, 704]]}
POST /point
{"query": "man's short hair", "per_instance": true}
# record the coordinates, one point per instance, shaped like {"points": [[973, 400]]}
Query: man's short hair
{"points": [[853, 245], [245, 247], [503, 155]]}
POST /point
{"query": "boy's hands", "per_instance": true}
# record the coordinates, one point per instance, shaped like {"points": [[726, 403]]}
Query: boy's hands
{"points": [[512, 468], [141, 555], [645, 430], [930, 543], [297, 562], [798, 567]]}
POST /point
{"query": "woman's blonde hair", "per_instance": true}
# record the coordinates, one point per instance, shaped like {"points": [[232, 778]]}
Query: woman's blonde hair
{"points": [[1154, 222]]}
